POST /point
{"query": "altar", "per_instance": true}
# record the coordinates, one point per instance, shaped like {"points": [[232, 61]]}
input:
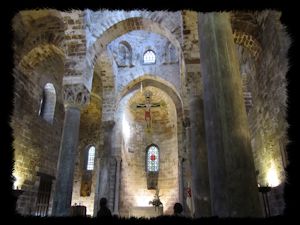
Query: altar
{"points": [[146, 211]]}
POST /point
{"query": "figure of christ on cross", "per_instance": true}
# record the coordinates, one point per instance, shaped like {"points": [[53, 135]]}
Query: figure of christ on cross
{"points": [[148, 105]]}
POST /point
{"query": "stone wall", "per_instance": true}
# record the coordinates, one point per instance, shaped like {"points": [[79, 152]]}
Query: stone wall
{"points": [[266, 82], [36, 141], [139, 42], [134, 190], [89, 135]]}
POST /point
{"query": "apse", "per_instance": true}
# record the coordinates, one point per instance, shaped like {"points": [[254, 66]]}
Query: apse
{"points": [[153, 127]]}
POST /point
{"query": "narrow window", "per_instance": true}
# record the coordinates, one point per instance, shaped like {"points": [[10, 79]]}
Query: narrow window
{"points": [[149, 57], [47, 103], [91, 158], [87, 173], [152, 159]]}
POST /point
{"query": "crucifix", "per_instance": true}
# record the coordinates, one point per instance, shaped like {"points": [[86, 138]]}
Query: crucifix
{"points": [[147, 105]]}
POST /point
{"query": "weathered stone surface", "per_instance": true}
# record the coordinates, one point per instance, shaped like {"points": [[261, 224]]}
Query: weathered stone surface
{"points": [[200, 177], [66, 162], [230, 161]]}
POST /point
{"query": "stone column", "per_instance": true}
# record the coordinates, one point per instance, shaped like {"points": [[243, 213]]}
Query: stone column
{"points": [[180, 179], [105, 157], [97, 169], [200, 177], [117, 187], [75, 97], [231, 167], [187, 180]]}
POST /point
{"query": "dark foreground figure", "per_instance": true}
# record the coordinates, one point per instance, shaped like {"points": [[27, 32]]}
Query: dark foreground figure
{"points": [[104, 211], [163, 220]]}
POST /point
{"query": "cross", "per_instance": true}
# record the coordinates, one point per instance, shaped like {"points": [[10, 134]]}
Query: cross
{"points": [[147, 105]]}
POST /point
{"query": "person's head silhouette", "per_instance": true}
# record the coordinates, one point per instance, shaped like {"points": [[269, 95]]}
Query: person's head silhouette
{"points": [[103, 202], [177, 208], [104, 210]]}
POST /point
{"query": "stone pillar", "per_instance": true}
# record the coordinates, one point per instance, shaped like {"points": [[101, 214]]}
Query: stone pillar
{"points": [[105, 157], [96, 203], [233, 184], [75, 97], [180, 179], [200, 177], [117, 187], [187, 180]]}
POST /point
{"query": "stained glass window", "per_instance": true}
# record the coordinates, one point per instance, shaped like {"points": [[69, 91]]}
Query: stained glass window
{"points": [[152, 159], [149, 57], [91, 157]]}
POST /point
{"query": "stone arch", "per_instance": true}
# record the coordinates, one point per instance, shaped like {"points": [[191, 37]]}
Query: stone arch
{"points": [[103, 83], [165, 86], [151, 80], [148, 180], [130, 24], [38, 55], [43, 64], [39, 27]]}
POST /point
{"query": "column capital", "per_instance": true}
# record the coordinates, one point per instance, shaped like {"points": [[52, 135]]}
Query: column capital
{"points": [[76, 95]]}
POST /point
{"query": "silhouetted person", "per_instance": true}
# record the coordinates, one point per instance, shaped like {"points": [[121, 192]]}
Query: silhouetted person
{"points": [[177, 209], [104, 211]]}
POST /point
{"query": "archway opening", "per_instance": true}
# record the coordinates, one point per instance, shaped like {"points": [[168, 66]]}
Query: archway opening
{"points": [[141, 127]]}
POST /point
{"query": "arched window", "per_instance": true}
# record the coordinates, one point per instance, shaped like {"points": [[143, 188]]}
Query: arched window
{"points": [[47, 104], [149, 57], [87, 174], [170, 55], [152, 159], [124, 55], [91, 158]]}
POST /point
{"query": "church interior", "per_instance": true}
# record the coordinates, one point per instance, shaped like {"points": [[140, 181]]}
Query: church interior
{"points": [[140, 105]]}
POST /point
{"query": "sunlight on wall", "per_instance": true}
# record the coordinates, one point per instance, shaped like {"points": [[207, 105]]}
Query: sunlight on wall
{"points": [[142, 198], [19, 180], [272, 176], [125, 128]]}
